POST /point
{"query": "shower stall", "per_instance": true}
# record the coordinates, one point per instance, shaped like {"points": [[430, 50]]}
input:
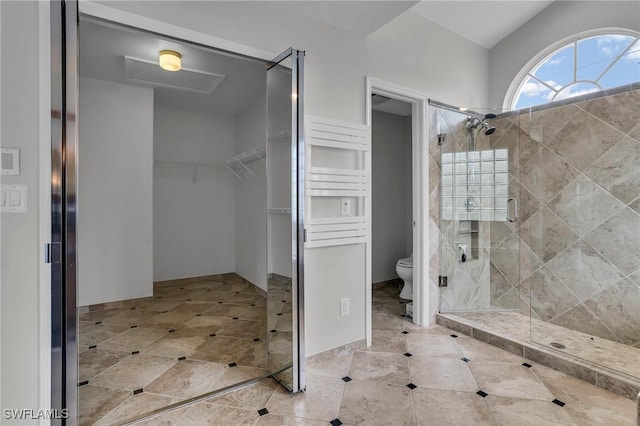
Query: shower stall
{"points": [[537, 214]]}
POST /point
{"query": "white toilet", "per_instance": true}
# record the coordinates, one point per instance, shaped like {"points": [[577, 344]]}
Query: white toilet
{"points": [[404, 269]]}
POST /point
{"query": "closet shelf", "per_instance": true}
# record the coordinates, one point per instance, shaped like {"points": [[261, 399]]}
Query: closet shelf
{"points": [[233, 164], [279, 211], [240, 160], [278, 136]]}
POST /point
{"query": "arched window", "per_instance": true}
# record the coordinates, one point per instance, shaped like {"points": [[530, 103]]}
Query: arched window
{"points": [[582, 64]]}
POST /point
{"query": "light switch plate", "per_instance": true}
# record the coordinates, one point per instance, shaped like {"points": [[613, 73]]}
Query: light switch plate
{"points": [[14, 198]]}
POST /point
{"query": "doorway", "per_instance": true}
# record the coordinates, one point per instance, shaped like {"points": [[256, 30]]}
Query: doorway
{"points": [[172, 283], [411, 104]]}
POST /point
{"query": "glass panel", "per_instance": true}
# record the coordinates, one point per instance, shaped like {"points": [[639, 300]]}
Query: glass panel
{"points": [[281, 244], [557, 70], [533, 92], [583, 266], [479, 249], [625, 71], [595, 54]]}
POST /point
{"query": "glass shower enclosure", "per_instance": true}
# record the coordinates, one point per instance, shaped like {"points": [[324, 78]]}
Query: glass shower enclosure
{"points": [[479, 251], [538, 224]]}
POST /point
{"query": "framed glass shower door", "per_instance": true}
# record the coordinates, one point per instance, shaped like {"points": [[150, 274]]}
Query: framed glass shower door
{"points": [[479, 245]]}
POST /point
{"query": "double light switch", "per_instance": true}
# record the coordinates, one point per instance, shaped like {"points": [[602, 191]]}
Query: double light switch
{"points": [[13, 198]]}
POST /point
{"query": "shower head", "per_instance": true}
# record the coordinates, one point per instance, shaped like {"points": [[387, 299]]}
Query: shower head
{"points": [[488, 129]]}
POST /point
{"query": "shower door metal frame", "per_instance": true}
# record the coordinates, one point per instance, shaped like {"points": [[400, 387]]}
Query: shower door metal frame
{"points": [[62, 251]]}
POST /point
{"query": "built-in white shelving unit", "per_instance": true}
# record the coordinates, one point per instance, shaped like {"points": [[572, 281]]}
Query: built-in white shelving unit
{"points": [[337, 199]]}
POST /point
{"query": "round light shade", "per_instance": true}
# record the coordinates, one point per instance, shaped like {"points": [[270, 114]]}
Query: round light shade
{"points": [[170, 60]]}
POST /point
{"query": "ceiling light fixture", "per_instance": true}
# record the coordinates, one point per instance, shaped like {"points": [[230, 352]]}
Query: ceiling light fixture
{"points": [[170, 60]]}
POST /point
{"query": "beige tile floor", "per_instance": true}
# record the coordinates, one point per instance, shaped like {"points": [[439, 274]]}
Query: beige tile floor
{"points": [[445, 374], [190, 338]]}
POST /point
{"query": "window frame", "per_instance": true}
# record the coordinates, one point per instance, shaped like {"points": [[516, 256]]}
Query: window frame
{"points": [[545, 54]]}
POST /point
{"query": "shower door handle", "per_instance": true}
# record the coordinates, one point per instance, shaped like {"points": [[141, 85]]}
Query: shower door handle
{"points": [[513, 218]]}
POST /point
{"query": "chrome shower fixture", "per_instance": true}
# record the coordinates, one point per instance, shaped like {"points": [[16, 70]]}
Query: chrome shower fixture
{"points": [[475, 122]]}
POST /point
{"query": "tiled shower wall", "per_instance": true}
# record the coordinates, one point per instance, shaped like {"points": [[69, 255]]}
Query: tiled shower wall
{"points": [[580, 216], [573, 257]]}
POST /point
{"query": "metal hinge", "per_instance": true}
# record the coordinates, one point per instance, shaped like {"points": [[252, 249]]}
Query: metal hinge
{"points": [[304, 235], [442, 281], [442, 137], [52, 253]]}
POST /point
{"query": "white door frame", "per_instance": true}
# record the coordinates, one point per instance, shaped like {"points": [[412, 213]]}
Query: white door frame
{"points": [[420, 173]]}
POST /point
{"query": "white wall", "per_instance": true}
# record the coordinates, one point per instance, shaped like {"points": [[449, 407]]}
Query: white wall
{"points": [[251, 197], [193, 222], [559, 20], [19, 256], [391, 193], [409, 51], [115, 152]]}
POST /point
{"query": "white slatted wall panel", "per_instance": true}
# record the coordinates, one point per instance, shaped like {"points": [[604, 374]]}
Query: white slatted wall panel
{"points": [[353, 141]]}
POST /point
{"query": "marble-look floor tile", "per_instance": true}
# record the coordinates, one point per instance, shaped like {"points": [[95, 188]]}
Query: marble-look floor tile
{"points": [[277, 420], [257, 313], [134, 406], [524, 412], [133, 372], [376, 403], [337, 366], [95, 402], [244, 329], [99, 333], [380, 366], [512, 380], [440, 407], [238, 374], [441, 373], [95, 361], [227, 310], [475, 350], [204, 325], [321, 401], [193, 307], [168, 320], [175, 346], [167, 419], [221, 349], [436, 345], [586, 403], [160, 305], [131, 317], [134, 339], [187, 379], [252, 397], [388, 341], [387, 323], [255, 356], [280, 342], [101, 315], [215, 415]]}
